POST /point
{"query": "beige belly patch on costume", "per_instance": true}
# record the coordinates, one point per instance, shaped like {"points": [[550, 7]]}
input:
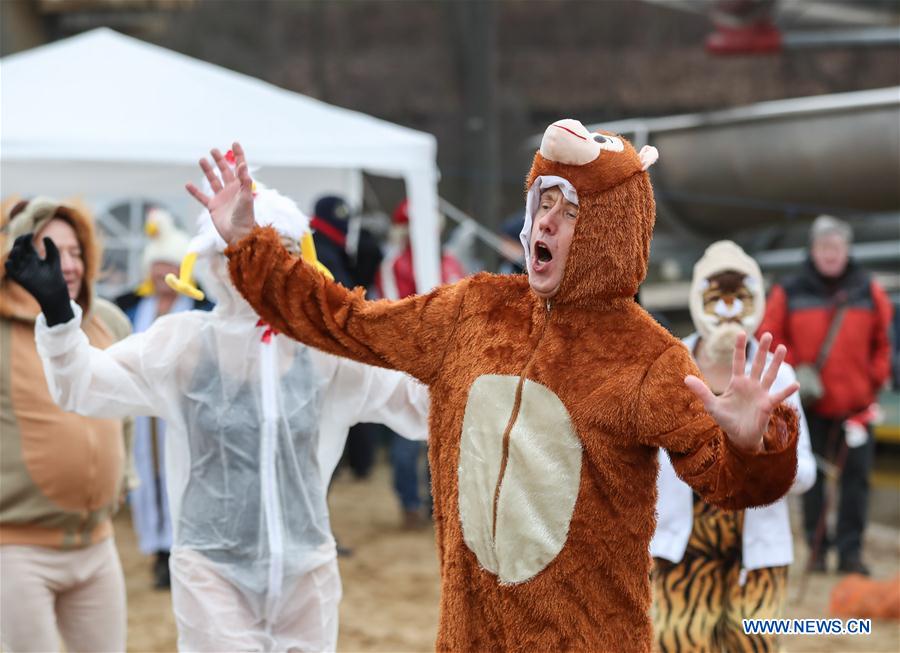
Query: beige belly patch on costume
{"points": [[541, 477]]}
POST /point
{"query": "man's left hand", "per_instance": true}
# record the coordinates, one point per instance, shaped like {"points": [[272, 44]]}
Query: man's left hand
{"points": [[744, 409]]}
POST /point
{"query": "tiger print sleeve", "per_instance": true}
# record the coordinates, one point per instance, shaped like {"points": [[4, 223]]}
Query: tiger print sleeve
{"points": [[669, 415]]}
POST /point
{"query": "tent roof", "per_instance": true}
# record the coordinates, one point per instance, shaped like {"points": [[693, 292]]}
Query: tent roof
{"points": [[152, 105]]}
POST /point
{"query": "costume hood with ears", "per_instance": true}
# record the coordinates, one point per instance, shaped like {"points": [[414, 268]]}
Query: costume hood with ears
{"points": [[720, 316], [31, 218], [608, 180]]}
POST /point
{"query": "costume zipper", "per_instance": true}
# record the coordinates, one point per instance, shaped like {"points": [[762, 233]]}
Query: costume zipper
{"points": [[517, 403], [268, 370]]}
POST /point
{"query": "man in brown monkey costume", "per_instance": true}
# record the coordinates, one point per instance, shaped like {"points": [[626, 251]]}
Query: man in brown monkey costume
{"points": [[550, 396]]}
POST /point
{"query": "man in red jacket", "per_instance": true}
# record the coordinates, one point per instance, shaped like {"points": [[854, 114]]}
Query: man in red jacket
{"points": [[395, 280], [799, 314]]}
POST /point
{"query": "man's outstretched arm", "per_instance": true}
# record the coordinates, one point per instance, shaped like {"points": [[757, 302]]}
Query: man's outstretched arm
{"points": [[293, 297], [411, 335], [736, 450]]}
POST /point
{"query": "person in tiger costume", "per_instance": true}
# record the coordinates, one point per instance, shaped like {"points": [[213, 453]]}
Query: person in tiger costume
{"points": [[713, 568], [551, 394]]}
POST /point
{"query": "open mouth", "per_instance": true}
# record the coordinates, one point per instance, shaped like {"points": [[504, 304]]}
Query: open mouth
{"points": [[542, 253]]}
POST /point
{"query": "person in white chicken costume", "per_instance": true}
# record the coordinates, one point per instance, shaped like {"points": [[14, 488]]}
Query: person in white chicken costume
{"points": [[256, 424]]}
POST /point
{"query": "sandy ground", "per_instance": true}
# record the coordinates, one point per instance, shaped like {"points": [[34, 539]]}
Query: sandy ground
{"points": [[391, 587]]}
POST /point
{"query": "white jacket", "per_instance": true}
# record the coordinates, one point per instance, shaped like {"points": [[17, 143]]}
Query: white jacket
{"points": [[767, 530]]}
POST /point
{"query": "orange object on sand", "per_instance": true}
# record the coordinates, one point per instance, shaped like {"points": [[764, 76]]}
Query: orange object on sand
{"points": [[861, 597]]}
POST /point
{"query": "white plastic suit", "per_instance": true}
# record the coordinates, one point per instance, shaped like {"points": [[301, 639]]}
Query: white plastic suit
{"points": [[256, 425]]}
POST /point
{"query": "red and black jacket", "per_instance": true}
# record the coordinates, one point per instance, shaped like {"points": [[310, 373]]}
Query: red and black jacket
{"points": [[798, 314]]}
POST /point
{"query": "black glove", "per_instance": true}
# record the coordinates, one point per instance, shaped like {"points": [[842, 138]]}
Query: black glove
{"points": [[43, 278]]}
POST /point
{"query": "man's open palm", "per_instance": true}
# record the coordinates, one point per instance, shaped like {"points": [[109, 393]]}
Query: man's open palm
{"points": [[231, 204], [744, 409]]}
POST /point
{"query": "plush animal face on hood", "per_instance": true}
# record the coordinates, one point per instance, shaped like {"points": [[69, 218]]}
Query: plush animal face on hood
{"points": [[610, 247], [31, 217], [727, 298]]}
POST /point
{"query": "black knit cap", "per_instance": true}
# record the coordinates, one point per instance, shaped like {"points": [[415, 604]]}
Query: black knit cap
{"points": [[334, 210]]}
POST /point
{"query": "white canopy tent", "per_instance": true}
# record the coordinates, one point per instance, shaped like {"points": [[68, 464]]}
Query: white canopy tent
{"points": [[108, 117]]}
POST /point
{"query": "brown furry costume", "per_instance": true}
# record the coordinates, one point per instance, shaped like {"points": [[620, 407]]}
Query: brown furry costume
{"points": [[545, 421]]}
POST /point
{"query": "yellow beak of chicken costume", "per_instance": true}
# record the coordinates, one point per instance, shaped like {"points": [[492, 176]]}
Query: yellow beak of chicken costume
{"points": [[546, 415]]}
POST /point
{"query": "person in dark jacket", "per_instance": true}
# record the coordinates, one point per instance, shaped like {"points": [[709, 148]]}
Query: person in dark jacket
{"points": [[351, 254], [799, 314], [396, 279], [353, 257]]}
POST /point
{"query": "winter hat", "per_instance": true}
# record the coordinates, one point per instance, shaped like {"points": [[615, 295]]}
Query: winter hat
{"points": [[401, 213], [334, 210]]}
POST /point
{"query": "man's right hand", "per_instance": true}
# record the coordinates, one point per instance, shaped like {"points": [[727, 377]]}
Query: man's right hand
{"points": [[231, 205], [43, 278]]}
